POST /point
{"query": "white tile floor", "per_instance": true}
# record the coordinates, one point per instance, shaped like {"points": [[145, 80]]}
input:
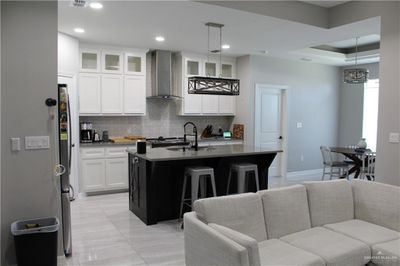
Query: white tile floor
{"points": [[105, 232]]}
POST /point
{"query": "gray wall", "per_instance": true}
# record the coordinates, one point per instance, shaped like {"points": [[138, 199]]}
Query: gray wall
{"points": [[29, 71], [313, 99], [160, 120], [388, 154], [351, 107]]}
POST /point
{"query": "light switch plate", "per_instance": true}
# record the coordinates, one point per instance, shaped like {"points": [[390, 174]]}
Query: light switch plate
{"points": [[15, 144], [394, 137], [37, 142]]}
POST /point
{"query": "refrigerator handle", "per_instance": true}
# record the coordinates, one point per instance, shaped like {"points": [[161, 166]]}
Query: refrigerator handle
{"points": [[69, 135]]}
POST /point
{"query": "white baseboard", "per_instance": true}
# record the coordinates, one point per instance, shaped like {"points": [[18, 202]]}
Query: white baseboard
{"points": [[303, 174]]}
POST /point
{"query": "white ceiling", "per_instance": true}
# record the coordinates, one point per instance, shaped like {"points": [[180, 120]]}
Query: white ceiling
{"points": [[326, 4], [364, 40], [136, 23]]}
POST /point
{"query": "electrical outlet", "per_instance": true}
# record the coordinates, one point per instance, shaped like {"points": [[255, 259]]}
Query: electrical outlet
{"points": [[394, 137], [299, 125], [15, 144]]}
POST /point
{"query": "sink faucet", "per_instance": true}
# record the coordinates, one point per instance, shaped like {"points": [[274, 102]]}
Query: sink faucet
{"points": [[196, 144]]}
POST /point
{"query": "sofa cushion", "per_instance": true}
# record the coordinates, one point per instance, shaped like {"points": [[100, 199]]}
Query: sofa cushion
{"points": [[285, 210], [277, 252], [364, 231], [387, 253], [242, 212], [334, 248], [377, 203], [330, 201]]}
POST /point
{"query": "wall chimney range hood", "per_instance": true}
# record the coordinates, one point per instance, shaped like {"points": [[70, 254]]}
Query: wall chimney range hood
{"points": [[159, 73]]}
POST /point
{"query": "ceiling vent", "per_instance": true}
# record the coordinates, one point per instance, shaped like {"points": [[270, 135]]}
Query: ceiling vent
{"points": [[79, 3]]}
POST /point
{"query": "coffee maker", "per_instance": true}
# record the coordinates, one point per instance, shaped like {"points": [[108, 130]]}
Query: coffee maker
{"points": [[86, 132]]}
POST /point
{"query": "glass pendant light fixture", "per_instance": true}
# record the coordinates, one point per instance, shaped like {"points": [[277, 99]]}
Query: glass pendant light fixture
{"points": [[355, 75], [214, 85]]}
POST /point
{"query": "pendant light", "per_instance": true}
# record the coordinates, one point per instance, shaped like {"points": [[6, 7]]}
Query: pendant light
{"points": [[355, 75], [214, 85]]}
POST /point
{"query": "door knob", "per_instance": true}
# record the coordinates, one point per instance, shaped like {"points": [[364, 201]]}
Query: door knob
{"points": [[280, 137]]}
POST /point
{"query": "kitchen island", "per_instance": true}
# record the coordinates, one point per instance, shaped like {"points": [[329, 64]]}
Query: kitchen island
{"points": [[156, 178]]}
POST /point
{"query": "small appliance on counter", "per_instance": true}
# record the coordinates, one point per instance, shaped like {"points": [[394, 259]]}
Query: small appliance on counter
{"points": [[96, 136], [106, 137], [141, 146], [86, 132]]}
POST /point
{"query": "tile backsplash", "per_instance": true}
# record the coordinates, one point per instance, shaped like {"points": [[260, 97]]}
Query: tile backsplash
{"points": [[161, 120]]}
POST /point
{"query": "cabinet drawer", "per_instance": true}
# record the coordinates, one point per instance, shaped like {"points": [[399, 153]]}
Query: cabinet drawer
{"points": [[92, 153], [116, 152]]}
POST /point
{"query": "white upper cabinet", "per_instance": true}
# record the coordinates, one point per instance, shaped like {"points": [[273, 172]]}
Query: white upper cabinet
{"points": [[115, 84], [134, 63], [89, 60], [111, 94], [227, 104], [111, 62], [197, 104], [134, 95], [89, 94]]}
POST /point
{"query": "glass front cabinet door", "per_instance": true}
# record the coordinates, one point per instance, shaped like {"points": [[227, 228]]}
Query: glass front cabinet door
{"points": [[112, 62], [89, 61], [134, 64]]}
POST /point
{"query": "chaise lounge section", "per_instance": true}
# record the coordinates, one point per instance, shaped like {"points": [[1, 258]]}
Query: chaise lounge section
{"points": [[318, 223]]}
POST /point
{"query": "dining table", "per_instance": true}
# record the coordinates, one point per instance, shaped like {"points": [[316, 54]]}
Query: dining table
{"points": [[355, 156]]}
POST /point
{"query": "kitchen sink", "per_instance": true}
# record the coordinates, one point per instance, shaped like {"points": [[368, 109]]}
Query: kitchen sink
{"points": [[205, 148]]}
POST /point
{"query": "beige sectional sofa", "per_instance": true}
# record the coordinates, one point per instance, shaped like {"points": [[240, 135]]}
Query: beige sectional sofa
{"points": [[318, 223]]}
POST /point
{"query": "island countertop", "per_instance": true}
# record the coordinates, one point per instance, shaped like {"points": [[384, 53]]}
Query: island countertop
{"points": [[166, 154]]}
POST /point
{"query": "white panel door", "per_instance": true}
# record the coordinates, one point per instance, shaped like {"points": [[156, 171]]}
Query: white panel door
{"points": [[111, 94], [93, 174], [227, 105], [191, 102], [134, 95], [268, 124], [117, 173], [89, 94]]}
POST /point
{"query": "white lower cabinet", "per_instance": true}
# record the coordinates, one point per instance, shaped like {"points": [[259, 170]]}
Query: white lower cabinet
{"points": [[93, 173], [117, 172], [104, 168]]}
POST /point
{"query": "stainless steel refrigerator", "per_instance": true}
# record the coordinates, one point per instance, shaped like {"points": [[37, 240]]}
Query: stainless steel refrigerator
{"points": [[65, 153]]}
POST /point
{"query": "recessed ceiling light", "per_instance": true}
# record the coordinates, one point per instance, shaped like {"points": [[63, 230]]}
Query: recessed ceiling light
{"points": [[160, 39], [79, 30], [225, 46], [306, 59], [96, 5]]}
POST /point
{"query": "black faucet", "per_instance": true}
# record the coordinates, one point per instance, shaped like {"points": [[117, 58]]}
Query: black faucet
{"points": [[196, 144]]}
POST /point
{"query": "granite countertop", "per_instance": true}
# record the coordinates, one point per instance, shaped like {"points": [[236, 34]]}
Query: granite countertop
{"points": [[166, 154], [105, 144]]}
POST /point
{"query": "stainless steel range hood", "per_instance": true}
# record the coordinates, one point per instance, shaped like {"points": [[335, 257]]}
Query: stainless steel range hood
{"points": [[159, 73]]}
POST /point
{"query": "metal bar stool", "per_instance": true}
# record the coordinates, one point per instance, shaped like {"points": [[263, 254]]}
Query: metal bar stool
{"points": [[242, 170], [198, 177]]}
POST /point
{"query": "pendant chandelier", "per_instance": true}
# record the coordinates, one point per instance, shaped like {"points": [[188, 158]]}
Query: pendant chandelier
{"points": [[355, 75], [213, 85]]}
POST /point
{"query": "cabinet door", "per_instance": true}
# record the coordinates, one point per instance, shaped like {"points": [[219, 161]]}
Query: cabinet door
{"points": [[134, 64], [191, 102], [117, 172], [89, 94], [93, 174], [89, 60], [227, 105], [111, 62], [210, 104], [135, 95], [111, 94]]}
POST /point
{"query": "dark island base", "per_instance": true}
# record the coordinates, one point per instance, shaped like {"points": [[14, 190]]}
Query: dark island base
{"points": [[155, 187]]}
